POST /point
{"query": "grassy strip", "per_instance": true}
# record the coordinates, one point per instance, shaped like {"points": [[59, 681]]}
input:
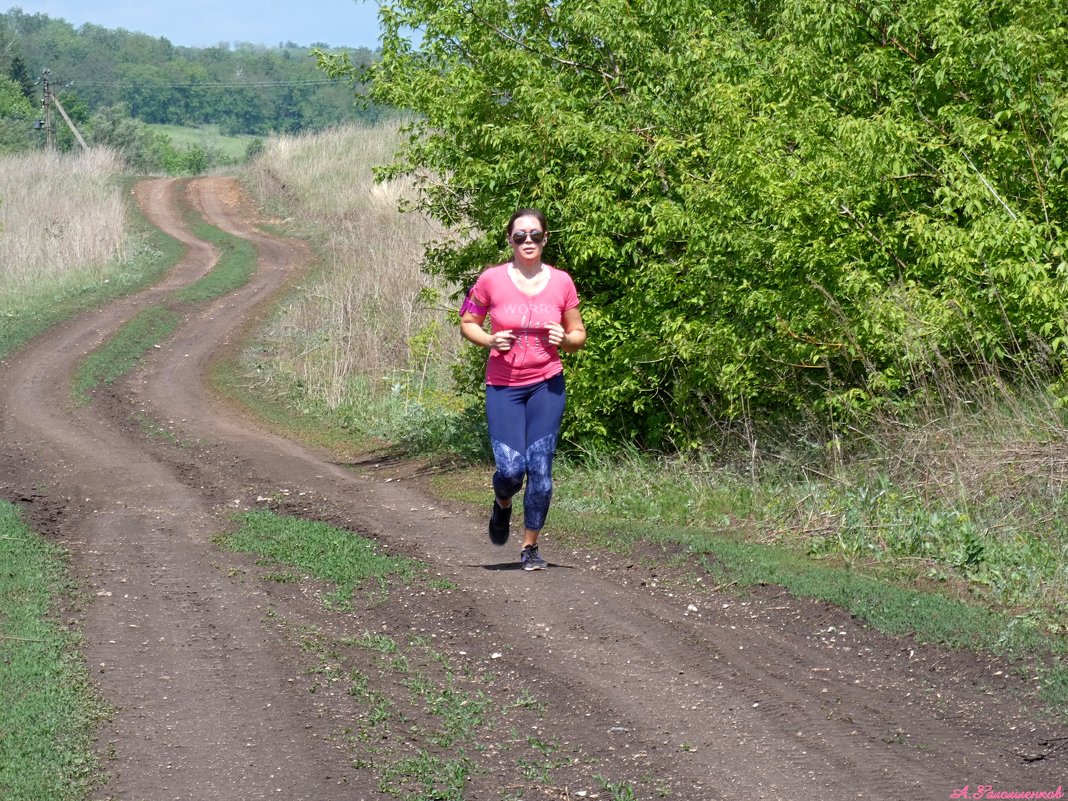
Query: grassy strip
{"points": [[207, 137], [158, 252], [48, 711], [237, 264], [327, 553], [411, 690], [121, 353], [349, 561]]}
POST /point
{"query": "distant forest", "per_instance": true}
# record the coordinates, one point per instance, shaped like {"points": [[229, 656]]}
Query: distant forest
{"points": [[242, 89]]}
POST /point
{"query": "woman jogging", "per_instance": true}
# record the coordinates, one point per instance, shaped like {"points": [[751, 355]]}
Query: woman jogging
{"points": [[533, 311]]}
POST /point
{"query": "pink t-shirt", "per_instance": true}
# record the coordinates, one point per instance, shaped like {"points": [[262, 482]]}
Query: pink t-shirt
{"points": [[531, 357]]}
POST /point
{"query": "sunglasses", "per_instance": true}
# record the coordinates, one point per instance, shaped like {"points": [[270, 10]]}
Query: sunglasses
{"points": [[519, 237]]}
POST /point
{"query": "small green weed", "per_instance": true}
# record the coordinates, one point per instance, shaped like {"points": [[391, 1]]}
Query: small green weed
{"points": [[153, 428], [526, 700], [379, 642], [623, 791], [281, 577], [427, 778]]}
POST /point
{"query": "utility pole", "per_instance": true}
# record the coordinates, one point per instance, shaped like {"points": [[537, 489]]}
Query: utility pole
{"points": [[50, 100], [50, 133]]}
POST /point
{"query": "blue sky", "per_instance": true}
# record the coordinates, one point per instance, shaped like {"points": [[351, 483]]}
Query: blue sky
{"points": [[205, 23]]}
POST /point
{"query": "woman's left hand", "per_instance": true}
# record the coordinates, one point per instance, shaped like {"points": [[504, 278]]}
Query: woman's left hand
{"points": [[555, 333]]}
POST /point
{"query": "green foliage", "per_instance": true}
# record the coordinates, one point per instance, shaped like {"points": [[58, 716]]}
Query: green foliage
{"points": [[767, 208], [254, 148], [78, 111], [115, 128], [13, 103], [146, 149], [16, 117], [20, 74], [1019, 561]]}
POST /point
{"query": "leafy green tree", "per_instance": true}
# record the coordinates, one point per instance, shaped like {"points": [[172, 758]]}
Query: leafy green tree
{"points": [[134, 140], [13, 103], [147, 91], [20, 74], [768, 207], [16, 118]]}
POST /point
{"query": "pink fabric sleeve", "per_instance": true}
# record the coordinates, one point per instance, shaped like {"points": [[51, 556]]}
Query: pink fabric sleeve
{"points": [[570, 294]]}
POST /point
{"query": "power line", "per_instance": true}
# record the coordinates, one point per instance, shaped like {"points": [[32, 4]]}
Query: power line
{"points": [[248, 85]]}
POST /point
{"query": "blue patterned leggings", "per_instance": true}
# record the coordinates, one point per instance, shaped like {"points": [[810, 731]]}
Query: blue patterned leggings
{"points": [[523, 425]]}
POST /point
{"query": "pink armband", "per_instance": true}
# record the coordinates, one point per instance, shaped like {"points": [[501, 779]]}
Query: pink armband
{"points": [[469, 305]]}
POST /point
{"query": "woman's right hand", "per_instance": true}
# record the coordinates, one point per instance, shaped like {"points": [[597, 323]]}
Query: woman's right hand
{"points": [[502, 341]]}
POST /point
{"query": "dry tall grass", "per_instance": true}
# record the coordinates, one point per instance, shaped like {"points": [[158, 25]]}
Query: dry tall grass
{"points": [[362, 327], [63, 217]]}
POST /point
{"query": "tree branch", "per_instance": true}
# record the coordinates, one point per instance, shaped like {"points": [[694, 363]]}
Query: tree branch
{"points": [[848, 212], [547, 56]]}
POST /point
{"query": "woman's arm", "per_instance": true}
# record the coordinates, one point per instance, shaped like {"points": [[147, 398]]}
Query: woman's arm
{"points": [[570, 334], [471, 329]]}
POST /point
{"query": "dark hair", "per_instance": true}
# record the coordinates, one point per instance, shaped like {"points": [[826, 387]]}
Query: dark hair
{"points": [[526, 213]]}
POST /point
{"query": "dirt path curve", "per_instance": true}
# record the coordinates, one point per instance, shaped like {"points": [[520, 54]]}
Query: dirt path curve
{"points": [[713, 695]]}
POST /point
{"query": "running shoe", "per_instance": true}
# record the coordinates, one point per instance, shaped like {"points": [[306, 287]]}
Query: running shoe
{"points": [[530, 559], [499, 522]]}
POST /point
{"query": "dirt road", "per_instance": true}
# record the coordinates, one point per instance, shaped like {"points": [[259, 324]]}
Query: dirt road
{"points": [[617, 681]]}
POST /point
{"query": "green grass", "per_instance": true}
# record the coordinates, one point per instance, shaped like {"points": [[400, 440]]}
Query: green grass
{"points": [[48, 712], [343, 558], [155, 253], [232, 149], [120, 354], [236, 265]]}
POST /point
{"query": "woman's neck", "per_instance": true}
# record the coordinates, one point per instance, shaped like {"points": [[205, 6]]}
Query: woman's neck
{"points": [[529, 269]]}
